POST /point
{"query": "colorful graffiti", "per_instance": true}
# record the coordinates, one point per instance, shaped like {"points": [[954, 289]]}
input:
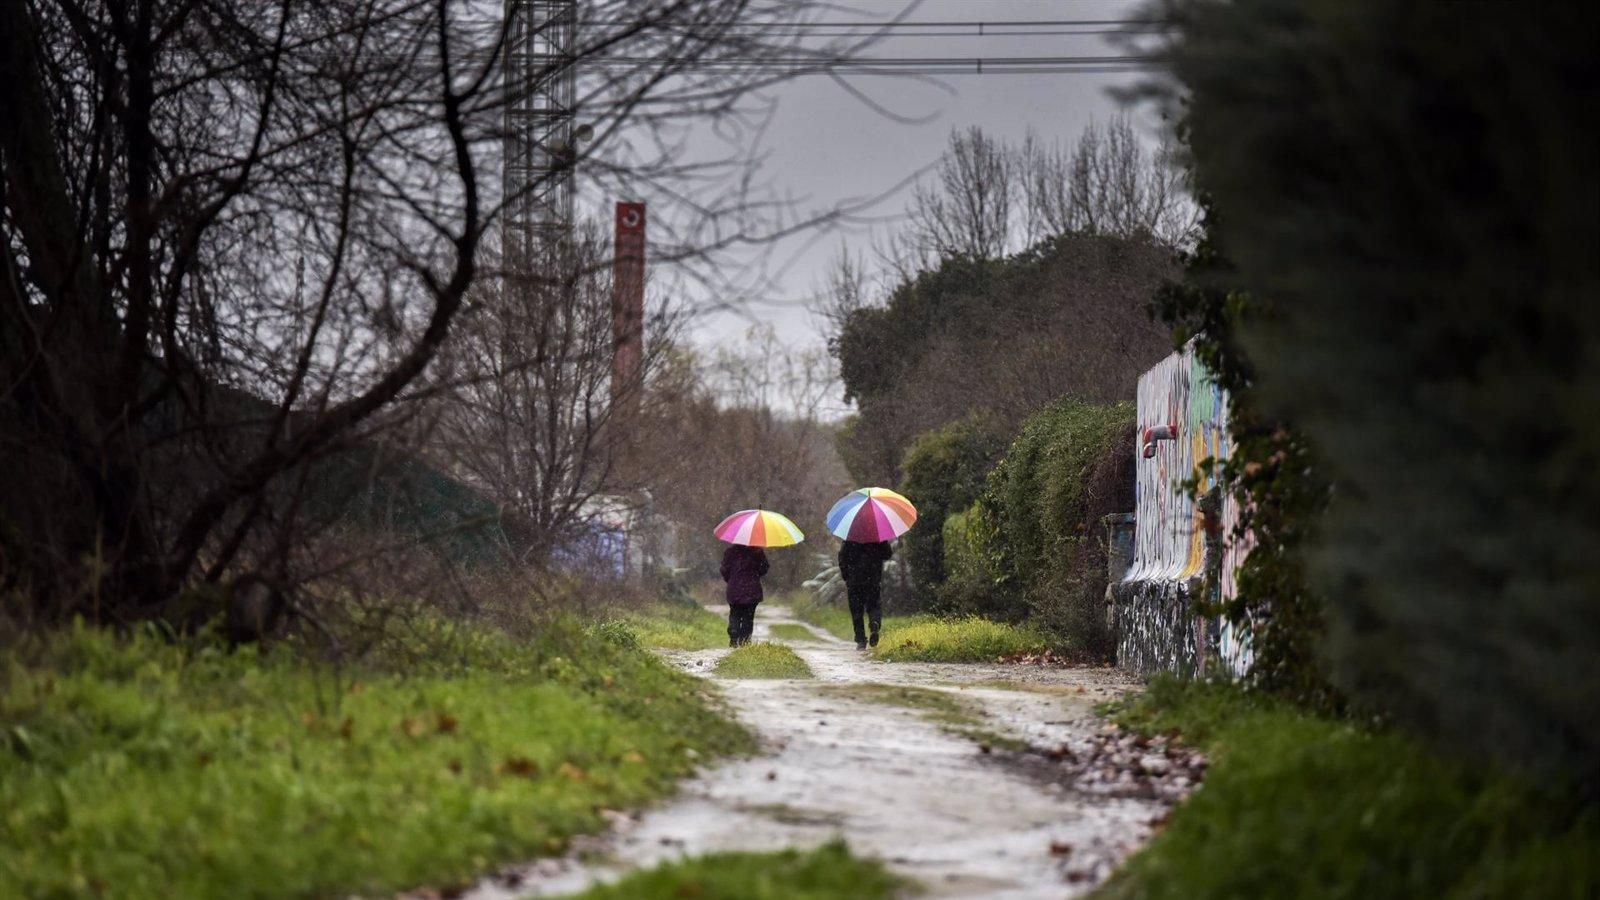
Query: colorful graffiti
{"points": [[1183, 421]]}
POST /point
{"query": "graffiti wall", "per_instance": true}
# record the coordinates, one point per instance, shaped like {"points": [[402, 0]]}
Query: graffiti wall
{"points": [[1183, 420]]}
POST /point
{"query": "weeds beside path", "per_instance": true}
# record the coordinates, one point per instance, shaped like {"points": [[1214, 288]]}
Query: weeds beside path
{"points": [[925, 638]]}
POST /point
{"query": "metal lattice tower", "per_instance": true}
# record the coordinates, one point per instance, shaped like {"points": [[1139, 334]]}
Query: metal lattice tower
{"points": [[539, 148]]}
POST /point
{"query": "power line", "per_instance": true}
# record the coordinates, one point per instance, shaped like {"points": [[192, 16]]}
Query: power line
{"points": [[902, 65], [916, 23]]}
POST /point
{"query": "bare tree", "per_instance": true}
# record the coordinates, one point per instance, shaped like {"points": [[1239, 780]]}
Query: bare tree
{"points": [[750, 433], [536, 416], [234, 237], [1110, 183], [845, 292], [968, 211]]}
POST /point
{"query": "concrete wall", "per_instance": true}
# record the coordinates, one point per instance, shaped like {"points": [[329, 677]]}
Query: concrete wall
{"points": [[1187, 413]]}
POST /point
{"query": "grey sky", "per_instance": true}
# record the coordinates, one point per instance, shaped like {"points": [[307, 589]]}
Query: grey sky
{"points": [[827, 147], [824, 147]]}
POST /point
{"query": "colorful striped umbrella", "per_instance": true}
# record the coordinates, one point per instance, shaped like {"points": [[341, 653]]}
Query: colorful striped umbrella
{"points": [[759, 528], [870, 515]]}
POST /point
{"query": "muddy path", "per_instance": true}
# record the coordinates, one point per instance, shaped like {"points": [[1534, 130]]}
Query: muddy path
{"points": [[945, 806]]}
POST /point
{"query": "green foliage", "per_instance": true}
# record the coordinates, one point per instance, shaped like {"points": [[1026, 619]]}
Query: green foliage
{"points": [[139, 767], [826, 873], [1300, 806], [671, 626], [1034, 545], [944, 472], [956, 640], [762, 660], [978, 578], [1412, 187]]}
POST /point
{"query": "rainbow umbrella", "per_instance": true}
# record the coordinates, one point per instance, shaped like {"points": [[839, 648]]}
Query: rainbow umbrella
{"points": [[870, 515], [759, 528]]}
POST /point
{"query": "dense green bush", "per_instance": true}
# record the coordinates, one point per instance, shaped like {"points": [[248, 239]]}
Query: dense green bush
{"points": [[977, 579], [1070, 466], [1034, 545], [1413, 187], [944, 473]]}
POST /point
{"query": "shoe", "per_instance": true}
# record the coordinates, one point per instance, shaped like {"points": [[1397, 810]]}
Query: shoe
{"points": [[861, 645], [873, 640]]}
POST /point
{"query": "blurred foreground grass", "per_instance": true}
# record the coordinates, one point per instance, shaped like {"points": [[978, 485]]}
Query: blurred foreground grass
{"points": [[826, 873], [1299, 806], [142, 767]]}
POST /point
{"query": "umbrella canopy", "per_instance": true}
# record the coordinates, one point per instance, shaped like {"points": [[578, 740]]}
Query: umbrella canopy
{"points": [[870, 515], [759, 528]]}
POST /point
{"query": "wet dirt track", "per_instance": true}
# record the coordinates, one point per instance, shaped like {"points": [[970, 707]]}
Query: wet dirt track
{"points": [[896, 785]]}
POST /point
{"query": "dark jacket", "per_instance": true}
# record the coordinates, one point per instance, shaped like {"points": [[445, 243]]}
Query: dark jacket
{"points": [[742, 568], [862, 564]]}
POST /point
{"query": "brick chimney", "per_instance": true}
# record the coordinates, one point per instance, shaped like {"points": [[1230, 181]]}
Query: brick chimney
{"points": [[627, 299]]}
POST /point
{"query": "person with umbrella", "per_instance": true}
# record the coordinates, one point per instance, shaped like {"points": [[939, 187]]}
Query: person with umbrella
{"points": [[868, 519], [744, 563]]}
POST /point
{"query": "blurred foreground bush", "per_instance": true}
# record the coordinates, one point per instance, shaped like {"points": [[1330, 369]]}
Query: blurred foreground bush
{"points": [[1412, 189]]}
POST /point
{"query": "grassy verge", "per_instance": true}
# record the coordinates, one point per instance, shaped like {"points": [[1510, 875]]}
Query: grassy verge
{"points": [[1296, 806], [787, 631], [677, 626], [142, 768], [826, 873], [956, 640], [762, 660]]}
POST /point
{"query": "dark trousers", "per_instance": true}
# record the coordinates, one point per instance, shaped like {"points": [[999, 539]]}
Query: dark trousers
{"points": [[741, 623], [864, 599]]}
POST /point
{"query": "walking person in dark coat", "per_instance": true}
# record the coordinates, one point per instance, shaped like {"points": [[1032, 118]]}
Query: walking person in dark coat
{"points": [[743, 568], [861, 566]]}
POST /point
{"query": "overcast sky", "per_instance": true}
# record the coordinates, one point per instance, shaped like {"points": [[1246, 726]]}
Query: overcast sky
{"points": [[824, 147]]}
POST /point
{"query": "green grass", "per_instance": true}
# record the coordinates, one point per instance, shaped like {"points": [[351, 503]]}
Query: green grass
{"points": [[762, 660], [139, 767], [956, 640], [677, 626], [925, 638], [834, 618], [1298, 806], [829, 872], [787, 631]]}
